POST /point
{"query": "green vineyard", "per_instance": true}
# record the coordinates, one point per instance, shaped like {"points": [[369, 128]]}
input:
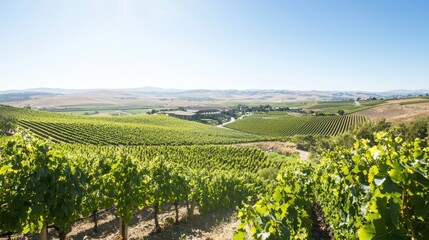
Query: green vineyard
{"points": [[134, 130], [121, 164], [209, 157], [378, 191], [285, 125], [44, 183]]}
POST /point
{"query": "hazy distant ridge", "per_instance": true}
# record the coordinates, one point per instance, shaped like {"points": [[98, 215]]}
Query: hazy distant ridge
{"points": [[150, 89], [335, 95]]}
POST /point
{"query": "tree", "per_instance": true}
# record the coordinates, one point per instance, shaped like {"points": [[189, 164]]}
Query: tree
{"points": [[367, 130], [418, 129], [413, 130], [341, 112], [7, 124], [304, 142]]}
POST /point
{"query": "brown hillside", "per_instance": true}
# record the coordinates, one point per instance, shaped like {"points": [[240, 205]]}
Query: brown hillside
{"points": [[399, 110]]}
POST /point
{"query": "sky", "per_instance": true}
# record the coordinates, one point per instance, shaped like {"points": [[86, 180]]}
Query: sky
{"points": [[372, 45]]}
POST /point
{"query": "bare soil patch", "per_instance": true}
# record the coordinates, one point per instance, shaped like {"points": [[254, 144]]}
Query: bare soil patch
{"points": [[213, 226], [279, 147]]}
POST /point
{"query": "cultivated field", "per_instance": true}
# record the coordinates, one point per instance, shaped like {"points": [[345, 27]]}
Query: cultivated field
{"points": [[132, 130], [286, 125], [332, 107]]}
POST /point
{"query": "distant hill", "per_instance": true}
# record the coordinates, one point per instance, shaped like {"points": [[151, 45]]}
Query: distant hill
{"points": [[74, 91], [153, 89], [48, 90], [21, 96], [397, 92], [51, 98], [405, 92]]}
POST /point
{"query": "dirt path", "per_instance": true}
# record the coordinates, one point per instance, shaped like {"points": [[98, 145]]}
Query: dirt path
{"points": [[216, 226], [321, 230], [232, 120], [304, 155]]}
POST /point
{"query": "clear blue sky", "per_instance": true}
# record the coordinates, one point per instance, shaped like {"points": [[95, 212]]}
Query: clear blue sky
{"points": [[223, 44]]}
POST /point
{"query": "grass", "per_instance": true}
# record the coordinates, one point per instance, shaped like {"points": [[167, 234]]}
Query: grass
{"points": [[414, 102], [281, 158]]}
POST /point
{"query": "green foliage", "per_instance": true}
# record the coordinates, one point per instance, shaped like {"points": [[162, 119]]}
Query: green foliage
{"points": [[7, 124], [415, 129], [283, 158], [268, 173], [285, 212], [304, 142], [39, 185], [418, 129], [370, 191], [380, 191], [126, 184], [161, 182], [369, 128]]}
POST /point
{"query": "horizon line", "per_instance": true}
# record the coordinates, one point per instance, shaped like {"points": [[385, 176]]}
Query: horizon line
{"points": [[206, 89]]}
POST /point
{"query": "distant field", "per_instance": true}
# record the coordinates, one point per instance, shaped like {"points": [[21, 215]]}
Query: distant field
{"points": [[414, 102], [142, 111], [103, 110], [129, 130], [399, 110], [285, 125]]}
